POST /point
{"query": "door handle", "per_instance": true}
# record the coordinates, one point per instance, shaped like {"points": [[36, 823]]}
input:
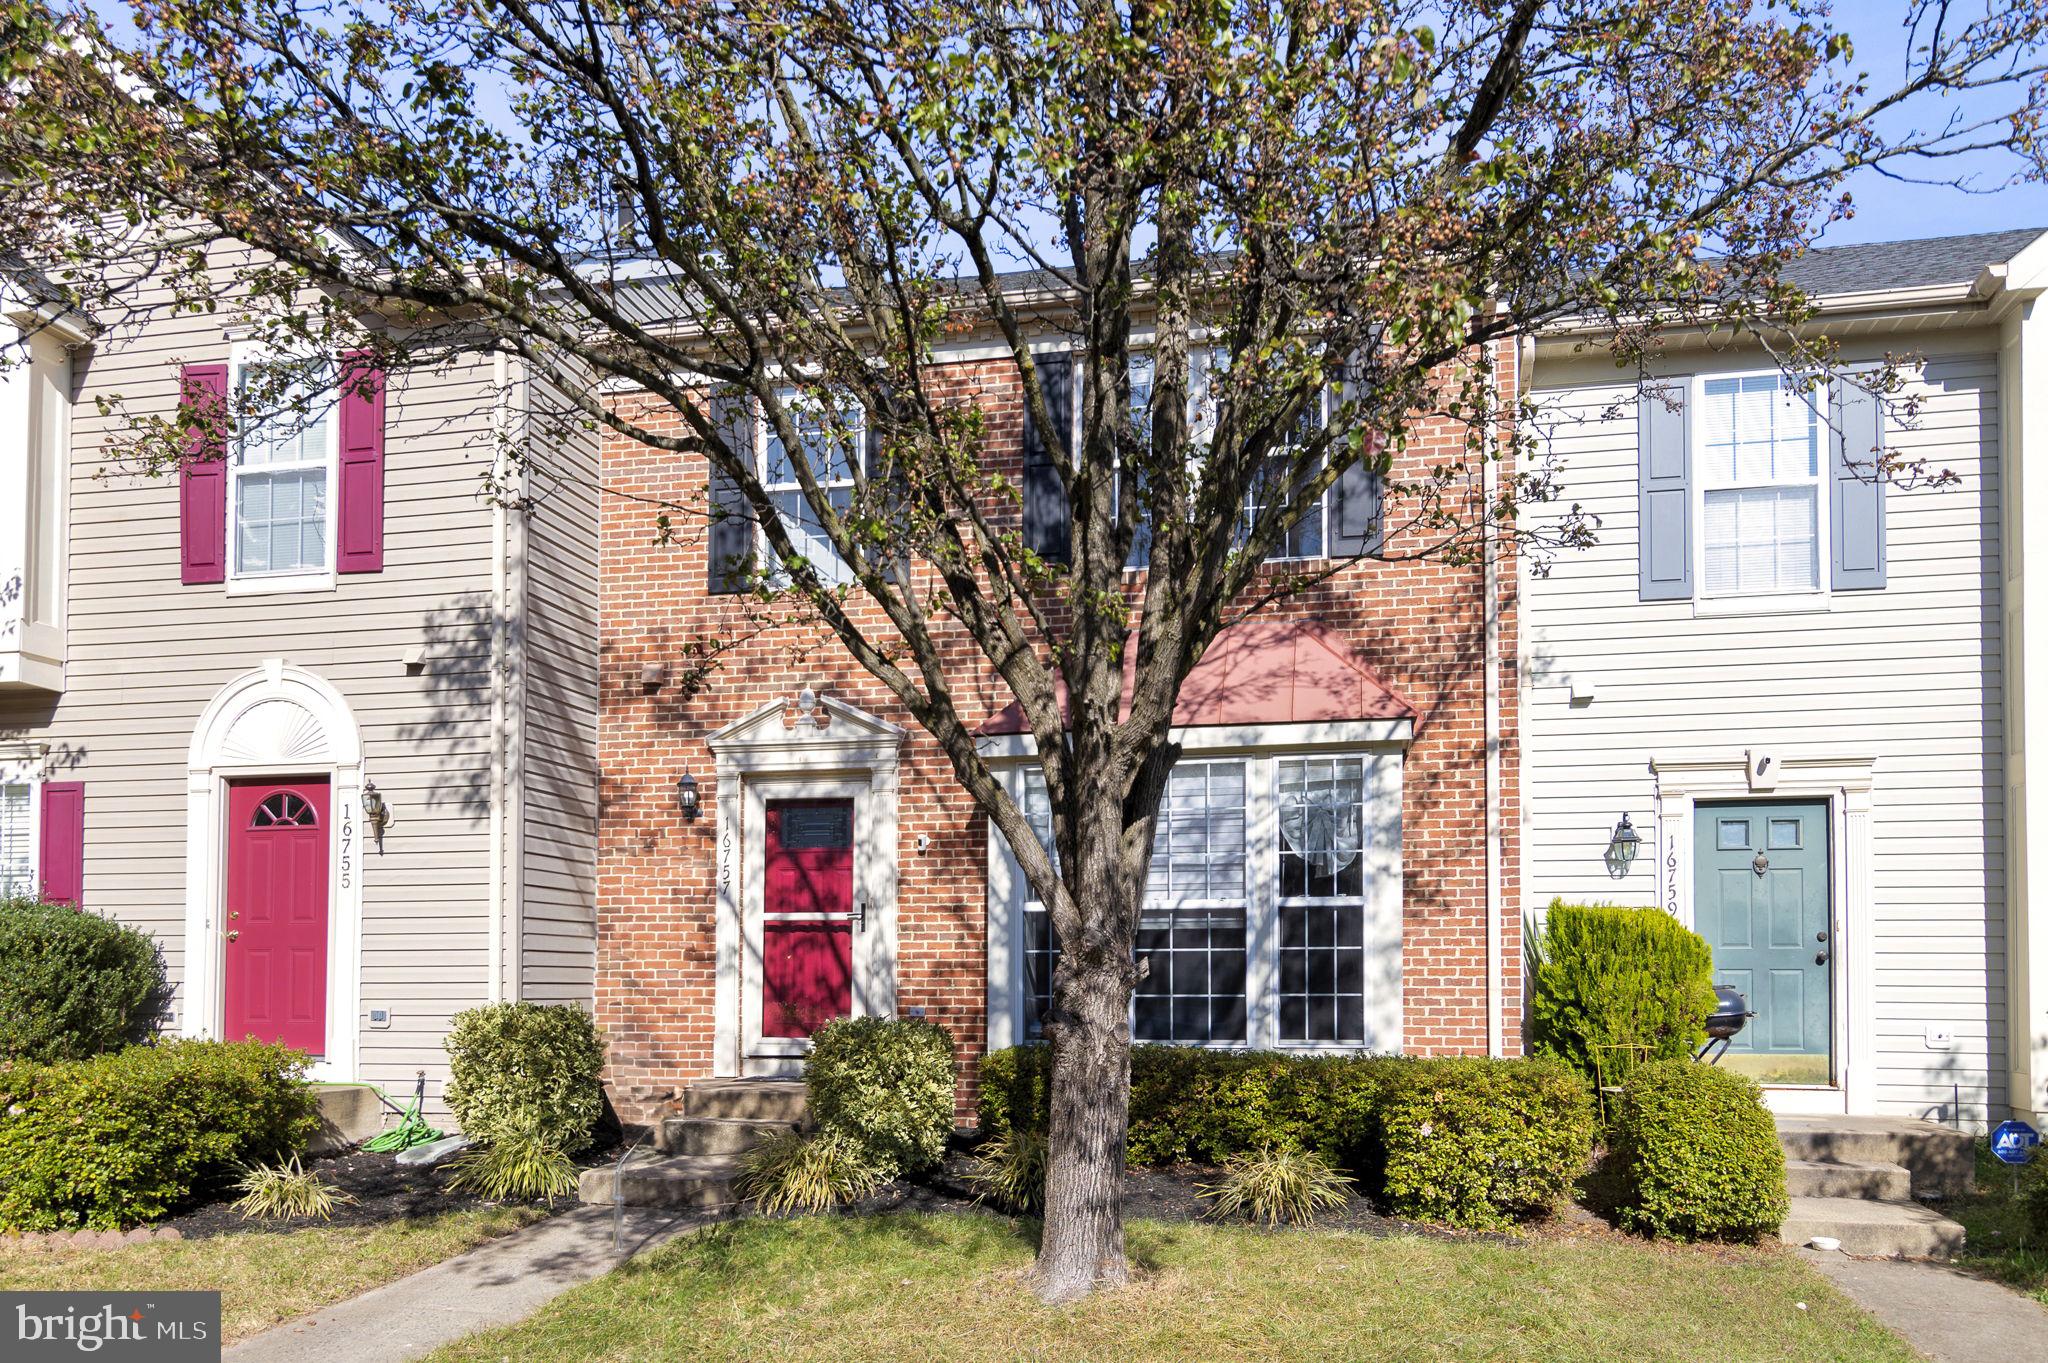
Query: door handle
{"points": [[860, 916], [1820, 958], [234, 934]]}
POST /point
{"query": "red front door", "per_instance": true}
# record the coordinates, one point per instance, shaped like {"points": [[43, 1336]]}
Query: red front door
{"points": [[807, 916], [277, 914]]}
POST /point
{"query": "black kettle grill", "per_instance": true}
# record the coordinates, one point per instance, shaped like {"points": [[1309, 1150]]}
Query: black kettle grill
{"points": [[1731, 1014]]}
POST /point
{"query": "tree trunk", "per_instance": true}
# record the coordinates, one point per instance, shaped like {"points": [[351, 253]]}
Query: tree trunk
{"points": [[1083, 1244]]}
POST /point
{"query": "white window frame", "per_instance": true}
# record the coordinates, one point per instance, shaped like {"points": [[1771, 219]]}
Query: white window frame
{"points": [[1261, 748], [762, 435], [26, 771], [245, 356], [1249, 510], [1736, 603]]}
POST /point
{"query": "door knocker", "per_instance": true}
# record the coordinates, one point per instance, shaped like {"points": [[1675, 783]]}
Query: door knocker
{"points": [[1761, 864]]}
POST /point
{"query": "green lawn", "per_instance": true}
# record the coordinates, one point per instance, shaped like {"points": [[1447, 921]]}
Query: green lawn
{"points": [[2000, 1245], [952, 1287], [263, 1277]]}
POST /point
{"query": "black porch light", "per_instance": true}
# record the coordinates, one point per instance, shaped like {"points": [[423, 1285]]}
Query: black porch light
{"points": [[687, 799], [1622, 846]]}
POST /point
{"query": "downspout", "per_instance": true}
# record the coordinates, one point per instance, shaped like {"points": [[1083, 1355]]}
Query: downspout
{"points": [[1491, 548], [499, 548]]}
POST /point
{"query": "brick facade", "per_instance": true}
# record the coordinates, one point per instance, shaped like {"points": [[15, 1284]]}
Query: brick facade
{"points": [[1419, 624]]}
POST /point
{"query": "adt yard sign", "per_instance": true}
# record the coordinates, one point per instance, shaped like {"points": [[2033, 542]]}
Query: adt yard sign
{"points": [[2013, 1142]]}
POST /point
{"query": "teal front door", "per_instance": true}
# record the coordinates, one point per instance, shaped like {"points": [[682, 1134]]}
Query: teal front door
{"points": [[1760, 896]]}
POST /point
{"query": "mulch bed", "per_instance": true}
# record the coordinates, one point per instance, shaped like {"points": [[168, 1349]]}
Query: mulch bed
{"points": [[384, 1190], [1171, 1194]]}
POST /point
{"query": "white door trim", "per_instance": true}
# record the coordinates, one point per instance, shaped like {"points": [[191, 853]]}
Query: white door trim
{"points": [[834, 750], [1844, 783], [275, 722]]}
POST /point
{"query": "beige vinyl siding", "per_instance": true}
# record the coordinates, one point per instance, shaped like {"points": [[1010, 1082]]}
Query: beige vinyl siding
{"points": [[1910, 674], [558, 736], [147, 654]]}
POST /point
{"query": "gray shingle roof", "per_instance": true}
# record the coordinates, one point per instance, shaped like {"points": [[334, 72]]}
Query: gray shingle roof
{"points": [[1906, 264]]}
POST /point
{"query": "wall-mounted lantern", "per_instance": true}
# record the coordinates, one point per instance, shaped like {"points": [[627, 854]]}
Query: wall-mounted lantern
{"points": [[1622, 846], [686, 796], [376, 813]]}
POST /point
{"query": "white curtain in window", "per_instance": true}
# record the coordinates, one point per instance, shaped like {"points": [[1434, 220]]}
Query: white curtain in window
{"points": [[1762, 540], [1321, 814]]}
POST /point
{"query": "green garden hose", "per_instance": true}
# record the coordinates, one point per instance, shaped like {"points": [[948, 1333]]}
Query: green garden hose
{"points": [[411, 1130]]}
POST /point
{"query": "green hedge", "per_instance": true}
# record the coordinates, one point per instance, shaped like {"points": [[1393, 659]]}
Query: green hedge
{"points": [[1606, 976], [526, 1069], [1694, 1155], [1204, 1106], [72, 984], [1481, 1143], [1466, 1140], [131, 1136], [885, 1085]]}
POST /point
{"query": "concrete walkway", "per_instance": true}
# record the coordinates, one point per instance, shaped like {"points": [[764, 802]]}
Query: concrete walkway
{"points": [[1949, 1316], [497, 1283]]}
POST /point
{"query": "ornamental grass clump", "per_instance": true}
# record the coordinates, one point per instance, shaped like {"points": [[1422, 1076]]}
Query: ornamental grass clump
{"points": [[519, 1166], [1277, 1188], [282, 1192], [806, 1172], [1009, 1170]]}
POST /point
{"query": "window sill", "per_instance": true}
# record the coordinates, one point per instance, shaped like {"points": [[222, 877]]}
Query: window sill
{"points": [[282, 582], [1789, 603]]}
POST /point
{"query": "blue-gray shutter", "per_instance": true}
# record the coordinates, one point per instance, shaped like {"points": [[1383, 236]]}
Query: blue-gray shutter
{"points": [[892, 497], [1856, 489], [729, 547], [1046, 520], [1356, 501], [1664, 526]]}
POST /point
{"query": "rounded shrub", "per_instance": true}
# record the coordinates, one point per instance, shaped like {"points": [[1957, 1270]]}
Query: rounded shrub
{"points": [[1602, 976], [885, 1085], [131, 1136], [73, 984], [1695, 1155], [1480, 1143], [526, 1070]]}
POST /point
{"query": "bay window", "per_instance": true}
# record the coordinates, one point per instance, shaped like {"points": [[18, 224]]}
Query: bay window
{"points": [[1271, 913]]}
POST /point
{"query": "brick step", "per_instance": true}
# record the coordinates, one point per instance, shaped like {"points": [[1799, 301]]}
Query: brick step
{"points": [[1941, 1162], [716, 1135], [697, 1182], [1873, 1229], [752, 1100], [1848, 1178]]}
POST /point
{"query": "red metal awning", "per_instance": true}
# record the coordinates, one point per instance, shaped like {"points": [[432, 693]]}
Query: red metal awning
{"points": [[1276, 671]]}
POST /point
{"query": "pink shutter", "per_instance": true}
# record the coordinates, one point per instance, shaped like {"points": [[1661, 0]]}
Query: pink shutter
{"points": [[62, 854], [360, 545], [202, 480]]}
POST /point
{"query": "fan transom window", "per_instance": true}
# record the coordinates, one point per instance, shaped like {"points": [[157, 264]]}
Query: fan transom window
{"points": [[283, 810]]}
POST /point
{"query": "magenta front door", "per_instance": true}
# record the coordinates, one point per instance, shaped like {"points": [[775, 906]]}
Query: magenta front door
{"points": [[807, 916], [276, 976]]}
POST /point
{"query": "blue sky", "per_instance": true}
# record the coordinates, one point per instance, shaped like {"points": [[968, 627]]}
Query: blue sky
{"points": [[1887, 210]]}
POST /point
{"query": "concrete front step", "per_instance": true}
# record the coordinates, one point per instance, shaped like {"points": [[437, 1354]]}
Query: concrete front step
{"points": [[1873, 1229], [1941, 1162], [694, 1182], [716, 1135], [752, 1100], [1848, 1178]]}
